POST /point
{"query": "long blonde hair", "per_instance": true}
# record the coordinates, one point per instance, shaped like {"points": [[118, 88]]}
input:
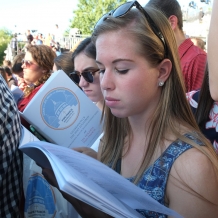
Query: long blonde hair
{"points": [[173, 105]]}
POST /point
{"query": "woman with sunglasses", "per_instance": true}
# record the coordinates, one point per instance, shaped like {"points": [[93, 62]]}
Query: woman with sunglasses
{"points": [[37, 67], [156, 141], [86, 72]]}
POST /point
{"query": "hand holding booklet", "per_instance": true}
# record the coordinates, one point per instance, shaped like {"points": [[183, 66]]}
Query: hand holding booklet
{"points": [[93, 182]]}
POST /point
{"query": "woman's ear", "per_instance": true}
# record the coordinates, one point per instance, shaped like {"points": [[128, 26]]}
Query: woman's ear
{"points": [[165, 68]]}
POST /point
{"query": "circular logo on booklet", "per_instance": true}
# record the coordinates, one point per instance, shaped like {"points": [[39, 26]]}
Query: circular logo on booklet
{"points": [[40, 199], [60, 108]]}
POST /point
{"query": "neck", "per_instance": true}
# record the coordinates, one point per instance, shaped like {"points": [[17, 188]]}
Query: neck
{"points": [[180, 37]]}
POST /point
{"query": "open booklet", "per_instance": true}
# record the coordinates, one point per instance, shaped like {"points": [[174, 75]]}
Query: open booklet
{"points": [[93, 182], [63, 114]]}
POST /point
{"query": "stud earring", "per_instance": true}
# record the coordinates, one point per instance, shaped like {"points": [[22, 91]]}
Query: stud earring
{"points": [[161, 83]]}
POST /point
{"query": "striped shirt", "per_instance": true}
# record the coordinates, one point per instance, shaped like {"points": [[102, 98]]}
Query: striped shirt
{"points": [[193, 63]]}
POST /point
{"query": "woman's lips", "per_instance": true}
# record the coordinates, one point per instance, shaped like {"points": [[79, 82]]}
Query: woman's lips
{"points": [[111, 102]]}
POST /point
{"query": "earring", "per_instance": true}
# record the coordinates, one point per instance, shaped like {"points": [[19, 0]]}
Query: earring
{"points": [[161, 83]]}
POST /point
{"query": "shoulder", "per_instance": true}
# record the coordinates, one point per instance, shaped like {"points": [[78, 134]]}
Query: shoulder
{"points": [[194, 178], [192, 51]]}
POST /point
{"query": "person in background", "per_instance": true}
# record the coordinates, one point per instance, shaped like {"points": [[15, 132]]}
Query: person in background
{"points": [[13, 45], [37, 67], [86, 72], [192, 58], [11, 158], [48, 40], [29, 42], [40, 39], [17, 70], [205, 110], [57, 35], [7, 63], [150, 134], [200, 15], [199, 42], [64, 62], [10, 79], [212, 52], [56, 48], [3, 74]]}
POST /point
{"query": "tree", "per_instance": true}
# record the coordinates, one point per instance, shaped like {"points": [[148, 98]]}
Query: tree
{"points": [[90, 11], [5, 37]]}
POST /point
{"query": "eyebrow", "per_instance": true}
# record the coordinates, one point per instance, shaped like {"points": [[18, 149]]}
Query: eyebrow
{"points": [[88, 68], [115, 61]]}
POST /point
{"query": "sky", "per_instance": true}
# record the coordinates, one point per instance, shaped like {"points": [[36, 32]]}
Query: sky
{"points": [[41, 15]]}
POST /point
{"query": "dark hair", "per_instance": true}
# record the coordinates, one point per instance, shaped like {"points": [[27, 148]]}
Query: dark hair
{"points": [[17, 63], [3, 73], [64, 62], [87, 47], [8, 71], [169, 8], [205, 101], [30, 38]]}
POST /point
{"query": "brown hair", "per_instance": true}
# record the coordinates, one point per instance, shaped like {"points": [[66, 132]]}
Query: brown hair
{"points": [[173, 108], [7, 63], [3, 73], [205, 102], [44, 57], [17, 63], [64, 62]]}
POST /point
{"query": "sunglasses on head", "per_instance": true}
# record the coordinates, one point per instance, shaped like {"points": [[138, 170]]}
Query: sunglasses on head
{"points": [[87, 75], [124, 9], [27, 63]]}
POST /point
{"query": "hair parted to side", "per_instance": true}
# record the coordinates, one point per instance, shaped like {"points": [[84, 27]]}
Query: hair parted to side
{"points": [[87, 47], [17, 63], [169, 8], [173, 105], [44, 57], [64, 62]]}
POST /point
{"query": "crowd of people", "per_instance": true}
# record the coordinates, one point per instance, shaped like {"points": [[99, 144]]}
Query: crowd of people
{"points": [[158, 94], [52, 40]]}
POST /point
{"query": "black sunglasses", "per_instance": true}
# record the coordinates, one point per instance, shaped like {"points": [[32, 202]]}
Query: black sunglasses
{"points": [[87, 75], [124, 9]]}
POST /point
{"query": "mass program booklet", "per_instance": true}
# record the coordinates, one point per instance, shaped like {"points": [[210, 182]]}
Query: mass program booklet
{"points": [[92, 182], [63, 114]]}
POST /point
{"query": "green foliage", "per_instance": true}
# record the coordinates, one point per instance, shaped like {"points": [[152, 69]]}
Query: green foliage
{"points": [[5, 37], [90, 11]]}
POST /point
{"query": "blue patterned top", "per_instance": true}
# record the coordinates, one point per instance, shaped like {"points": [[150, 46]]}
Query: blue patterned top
{"points": [[154, 179]]}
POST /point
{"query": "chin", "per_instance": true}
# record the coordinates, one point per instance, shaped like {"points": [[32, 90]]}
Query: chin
{"points": [[118, 113]]}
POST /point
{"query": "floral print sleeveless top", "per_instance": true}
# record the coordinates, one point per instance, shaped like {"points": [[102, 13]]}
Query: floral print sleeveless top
{"points": [[154, 179]]}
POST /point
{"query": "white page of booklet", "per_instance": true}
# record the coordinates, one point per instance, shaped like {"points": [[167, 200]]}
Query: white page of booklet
{"points": [[100, 175]]}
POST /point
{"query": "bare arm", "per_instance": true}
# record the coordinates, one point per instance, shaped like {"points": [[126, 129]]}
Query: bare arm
{"points": [[192, 187], [213, 52]]}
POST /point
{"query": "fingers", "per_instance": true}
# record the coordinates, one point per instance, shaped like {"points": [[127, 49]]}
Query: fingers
{"points": [[87, 151]]}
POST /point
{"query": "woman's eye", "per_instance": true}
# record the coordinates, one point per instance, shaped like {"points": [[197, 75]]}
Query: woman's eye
{"points": [[101, 70], [122, 71]]}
